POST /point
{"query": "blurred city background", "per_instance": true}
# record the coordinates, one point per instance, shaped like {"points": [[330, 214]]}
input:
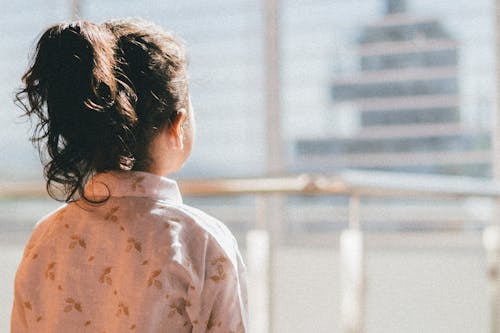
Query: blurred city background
{"points": [[400, 93]]}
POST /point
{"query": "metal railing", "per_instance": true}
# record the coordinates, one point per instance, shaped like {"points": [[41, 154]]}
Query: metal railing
{"points": [[356, 185]]}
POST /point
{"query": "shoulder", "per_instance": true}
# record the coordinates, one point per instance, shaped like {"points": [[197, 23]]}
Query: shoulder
{"points": [[53, 215], [42, 228], [43, 225], [209, 223], [217, 235]]}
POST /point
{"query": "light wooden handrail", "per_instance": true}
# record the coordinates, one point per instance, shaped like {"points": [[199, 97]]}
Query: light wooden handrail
{"points": [[364, 183]]}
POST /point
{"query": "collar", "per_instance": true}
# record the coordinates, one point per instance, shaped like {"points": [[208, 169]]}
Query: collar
{"points": [[132, 184]]}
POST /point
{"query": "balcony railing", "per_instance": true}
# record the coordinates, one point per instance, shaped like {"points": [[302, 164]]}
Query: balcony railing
{"points": [[355, 185]]}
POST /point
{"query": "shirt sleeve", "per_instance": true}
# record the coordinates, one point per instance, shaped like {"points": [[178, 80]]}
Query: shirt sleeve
{"points": [[222, 306], [21, 307], [18, 322]]}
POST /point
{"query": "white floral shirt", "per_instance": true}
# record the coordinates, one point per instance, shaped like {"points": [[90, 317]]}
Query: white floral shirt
{"points": [[140, 262]]}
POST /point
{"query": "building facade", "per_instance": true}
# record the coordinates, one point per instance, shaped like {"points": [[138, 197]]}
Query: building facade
{"points": [[402, 109]]}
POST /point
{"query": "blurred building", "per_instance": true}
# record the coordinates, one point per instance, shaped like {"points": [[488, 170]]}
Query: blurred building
{"points": [[401, 110]]}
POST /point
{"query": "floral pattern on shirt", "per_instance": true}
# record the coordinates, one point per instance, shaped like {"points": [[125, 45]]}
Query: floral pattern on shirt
{"points": [[142, 261]]}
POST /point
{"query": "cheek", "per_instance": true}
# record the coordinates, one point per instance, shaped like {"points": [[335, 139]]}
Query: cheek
{"points": [[192, 126], [189, 133], [193, 130], [190, 138]]}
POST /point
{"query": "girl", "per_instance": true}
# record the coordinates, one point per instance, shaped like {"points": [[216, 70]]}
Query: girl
{"points": [[124, 254]]}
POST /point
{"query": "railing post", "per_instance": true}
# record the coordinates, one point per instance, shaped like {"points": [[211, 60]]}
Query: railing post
{"points": [[491, 242], [491, 235], [259, 265], [352, 272], [258, 280]]}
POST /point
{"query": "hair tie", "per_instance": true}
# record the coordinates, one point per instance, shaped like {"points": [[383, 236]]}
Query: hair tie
{"points": [[126, 163]]}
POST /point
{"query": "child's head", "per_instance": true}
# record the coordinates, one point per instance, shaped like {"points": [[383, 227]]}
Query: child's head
{"points": [[101, 94]]}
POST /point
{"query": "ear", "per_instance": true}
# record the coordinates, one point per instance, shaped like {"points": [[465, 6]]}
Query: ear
{"points": [[176, 132]]}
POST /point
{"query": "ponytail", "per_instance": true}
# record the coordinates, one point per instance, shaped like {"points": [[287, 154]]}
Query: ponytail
{"points": [[84, 113]]}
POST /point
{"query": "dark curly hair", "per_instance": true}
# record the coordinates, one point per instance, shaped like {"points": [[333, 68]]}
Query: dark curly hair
{"points": [[98, 94]]}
